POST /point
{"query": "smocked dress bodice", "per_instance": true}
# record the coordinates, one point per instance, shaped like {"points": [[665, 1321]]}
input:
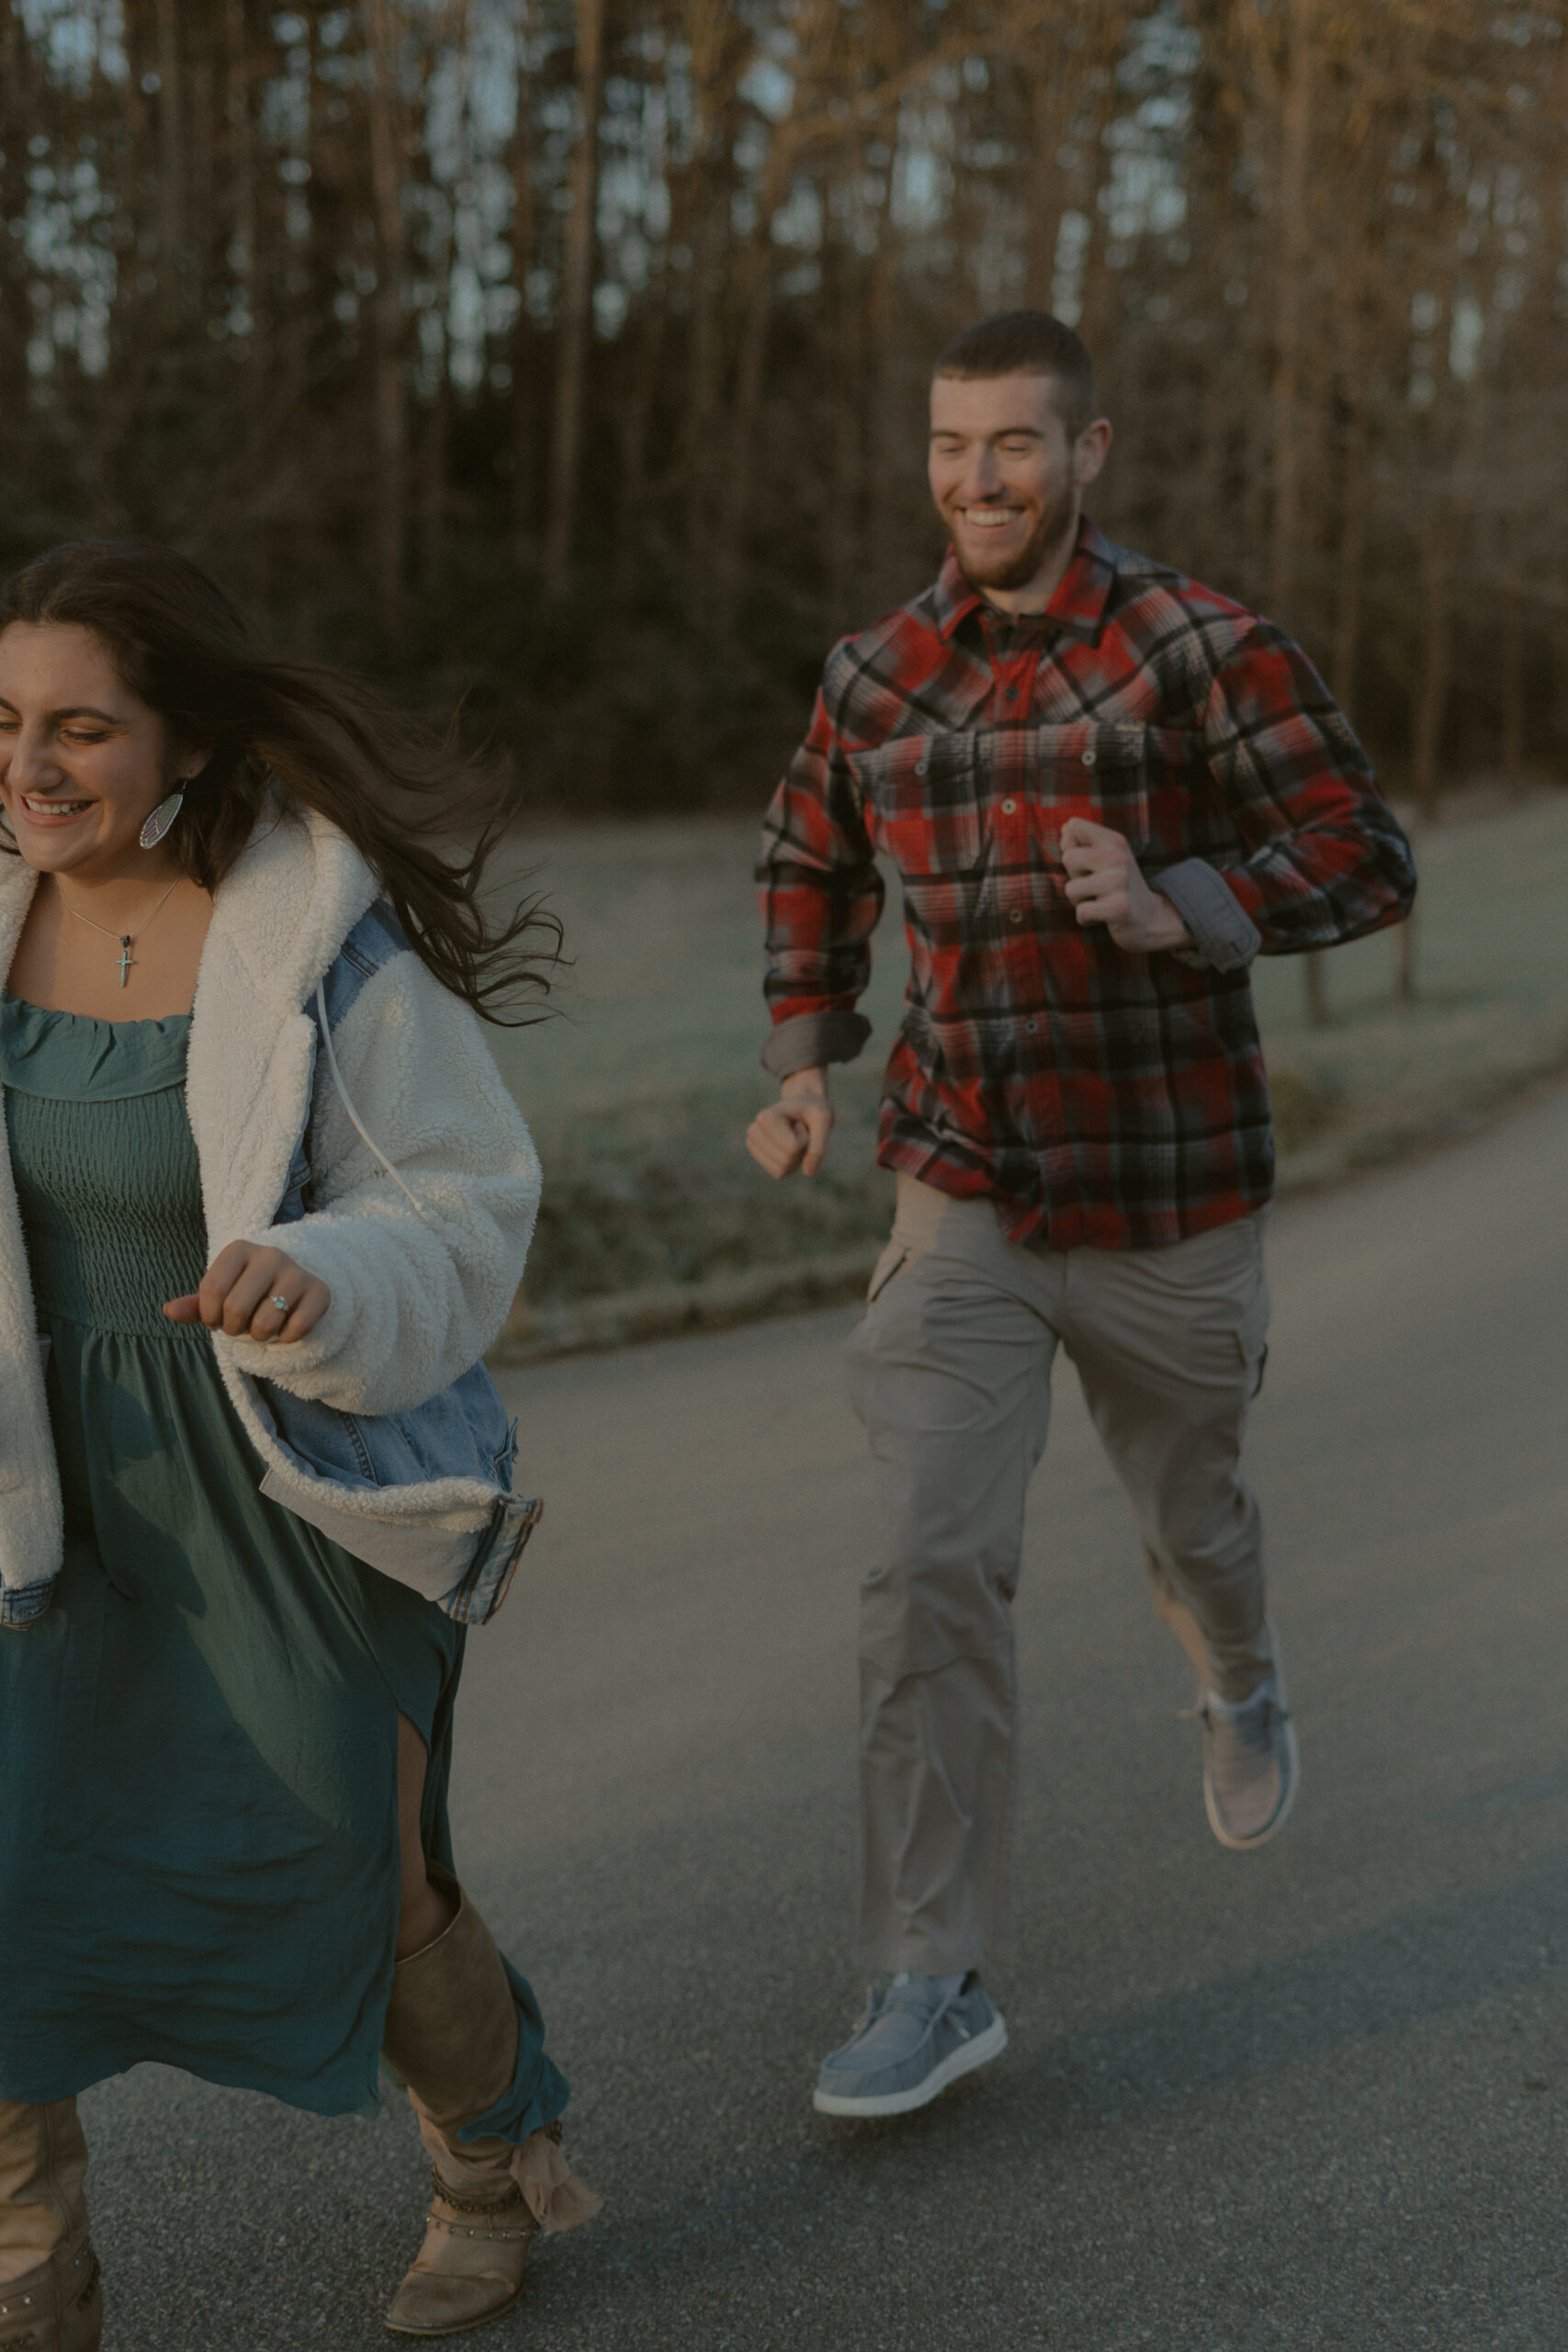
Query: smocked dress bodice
{"points": [[111, 1234]]}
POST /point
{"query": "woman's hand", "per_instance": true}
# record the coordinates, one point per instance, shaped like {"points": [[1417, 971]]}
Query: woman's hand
{"points": [[240, 1291]]}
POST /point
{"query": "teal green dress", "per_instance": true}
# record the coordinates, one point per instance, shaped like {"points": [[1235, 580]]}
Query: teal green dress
{"points": [[198, 1848]]}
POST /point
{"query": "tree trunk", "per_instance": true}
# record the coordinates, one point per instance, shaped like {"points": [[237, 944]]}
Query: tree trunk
{"points": [[636, 407], [1347, 638], [881, 389], [1290, 312], [843, 381], [1431, 699], [170, 143], [755, 278], [241, 151], [526, 406], [390, 413], [1346, 645], [435, 489], [1052, 95], [202, 128], [700, 200], [697, 456], [756, 312], [577, 299]]}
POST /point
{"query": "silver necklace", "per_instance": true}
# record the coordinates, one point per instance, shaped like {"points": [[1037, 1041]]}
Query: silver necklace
{"points": [[127, 939]]}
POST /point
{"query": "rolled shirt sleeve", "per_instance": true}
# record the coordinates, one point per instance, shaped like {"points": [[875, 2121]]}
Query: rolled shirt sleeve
{"points": [[1224, 937]]}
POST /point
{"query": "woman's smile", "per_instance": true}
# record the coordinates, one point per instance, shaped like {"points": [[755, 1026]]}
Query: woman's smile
{"points": [[53, 813]]}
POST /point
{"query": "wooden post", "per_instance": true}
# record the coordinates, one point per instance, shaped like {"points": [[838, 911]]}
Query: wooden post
{"points": [[1404, 962], [1512, 683]]}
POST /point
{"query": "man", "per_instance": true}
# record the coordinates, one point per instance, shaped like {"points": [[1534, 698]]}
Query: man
{"points": [[1106, 789]]}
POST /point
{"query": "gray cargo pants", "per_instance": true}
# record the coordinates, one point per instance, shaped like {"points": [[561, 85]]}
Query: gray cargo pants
{"points": [[951, 1374]]}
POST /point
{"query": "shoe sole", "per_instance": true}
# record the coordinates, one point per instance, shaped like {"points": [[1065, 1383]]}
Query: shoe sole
{"points": [[961, 2061], [1291, 1776], [460, 2327]]}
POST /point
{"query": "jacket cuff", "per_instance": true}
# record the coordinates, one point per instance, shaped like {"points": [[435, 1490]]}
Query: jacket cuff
{"points": [[22, 1605], [1224, 937], [811, 1040]]}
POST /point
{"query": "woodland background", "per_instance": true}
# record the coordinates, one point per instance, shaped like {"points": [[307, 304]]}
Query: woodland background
{"points": [[571, 359]]}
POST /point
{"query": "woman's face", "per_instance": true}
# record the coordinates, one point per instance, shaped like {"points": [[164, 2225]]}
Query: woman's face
{"points": [[84, 762]]}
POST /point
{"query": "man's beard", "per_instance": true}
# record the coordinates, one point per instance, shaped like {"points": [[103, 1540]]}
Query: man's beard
{"points": [[1055, 525]]}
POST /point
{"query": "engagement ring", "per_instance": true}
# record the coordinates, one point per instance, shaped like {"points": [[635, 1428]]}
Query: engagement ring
{"points": [[281, 1304]]}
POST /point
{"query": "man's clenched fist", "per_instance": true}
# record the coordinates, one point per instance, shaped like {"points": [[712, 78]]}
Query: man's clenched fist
{"points": [[792, 1131], [1105, 886]]}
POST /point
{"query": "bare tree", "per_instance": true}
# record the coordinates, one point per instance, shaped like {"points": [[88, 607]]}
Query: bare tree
{"points": [[401, 291]]}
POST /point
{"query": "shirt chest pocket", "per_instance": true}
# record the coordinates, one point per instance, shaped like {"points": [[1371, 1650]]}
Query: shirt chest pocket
{"points": [[926, 811], [925, 804], [1112, 772], [953, 804]]}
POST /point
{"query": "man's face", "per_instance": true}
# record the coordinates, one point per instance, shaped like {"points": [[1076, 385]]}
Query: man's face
{"points": [[1007, 481]]}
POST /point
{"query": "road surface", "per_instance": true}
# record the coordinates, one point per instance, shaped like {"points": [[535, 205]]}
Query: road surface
{"points": [[1311, 2096]]}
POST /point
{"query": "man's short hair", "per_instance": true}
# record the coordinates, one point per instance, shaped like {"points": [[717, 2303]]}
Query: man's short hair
{"points": [[1028, 343]]}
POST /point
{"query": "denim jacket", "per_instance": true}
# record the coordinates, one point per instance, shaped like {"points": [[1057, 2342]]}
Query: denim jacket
{"points": [[463, 1431], [335, 1091]]}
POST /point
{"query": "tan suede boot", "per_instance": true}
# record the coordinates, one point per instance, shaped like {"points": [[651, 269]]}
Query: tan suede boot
{"points": [[49, 2298], [452, 2036]]}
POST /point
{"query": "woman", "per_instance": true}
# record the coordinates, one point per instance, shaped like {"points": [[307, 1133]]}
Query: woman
{"points": [[264, 1202]]}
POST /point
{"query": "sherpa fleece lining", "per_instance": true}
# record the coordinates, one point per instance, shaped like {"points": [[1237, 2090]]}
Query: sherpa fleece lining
{"points": [[416, 1297]]}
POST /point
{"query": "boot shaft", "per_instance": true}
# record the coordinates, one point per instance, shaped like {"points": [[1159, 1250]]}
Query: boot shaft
{"points": [[49, 2298], [43, 2170], [451, 2031]]}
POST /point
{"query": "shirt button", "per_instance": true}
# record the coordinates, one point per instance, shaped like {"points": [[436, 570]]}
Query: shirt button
{"points": [[1009, 807], [921, 766], [1032, 1026], [1088, 759], [1012, 694], [1017, 915]]}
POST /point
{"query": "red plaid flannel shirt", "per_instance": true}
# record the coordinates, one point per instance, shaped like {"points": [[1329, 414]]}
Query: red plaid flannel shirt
{"points": [[1101, 1097]]}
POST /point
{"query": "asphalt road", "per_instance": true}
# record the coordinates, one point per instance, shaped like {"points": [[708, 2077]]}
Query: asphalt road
{"points": [[1311, 2096]]}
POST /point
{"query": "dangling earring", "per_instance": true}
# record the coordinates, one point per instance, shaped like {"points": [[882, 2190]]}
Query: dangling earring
{"points": [[164, 816]]}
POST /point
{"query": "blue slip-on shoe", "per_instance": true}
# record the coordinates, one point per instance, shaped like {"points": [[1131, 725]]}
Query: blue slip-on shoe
{"points": [[918, 2036]]}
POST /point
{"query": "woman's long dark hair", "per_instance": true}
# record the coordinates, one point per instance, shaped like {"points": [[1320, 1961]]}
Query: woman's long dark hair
{"points": [[426, 817]]}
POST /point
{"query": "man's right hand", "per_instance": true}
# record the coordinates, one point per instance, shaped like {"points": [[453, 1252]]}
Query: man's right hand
{"points": [[792, 1131]]}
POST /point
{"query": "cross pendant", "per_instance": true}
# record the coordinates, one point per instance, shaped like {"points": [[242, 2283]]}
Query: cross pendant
{"points": [[126, 957]]}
